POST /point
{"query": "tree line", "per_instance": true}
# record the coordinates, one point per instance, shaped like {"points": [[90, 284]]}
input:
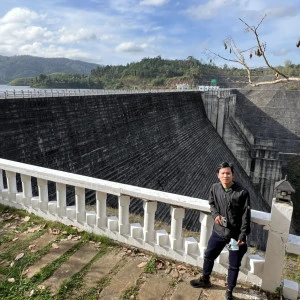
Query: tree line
{"points": [[155, 73]]}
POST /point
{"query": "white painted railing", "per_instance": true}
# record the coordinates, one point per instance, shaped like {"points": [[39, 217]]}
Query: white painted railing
{"points": [[254, 269]]}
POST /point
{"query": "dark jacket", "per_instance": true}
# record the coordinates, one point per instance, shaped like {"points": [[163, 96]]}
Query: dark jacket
{"points": [[235, 206]]}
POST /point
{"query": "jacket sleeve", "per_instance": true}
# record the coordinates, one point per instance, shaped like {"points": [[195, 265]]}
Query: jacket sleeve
{"points": [[213, 207], [246, 218]]}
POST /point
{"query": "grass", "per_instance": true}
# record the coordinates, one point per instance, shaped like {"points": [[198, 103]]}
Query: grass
{"points": [[150, 267], [13, 270]]}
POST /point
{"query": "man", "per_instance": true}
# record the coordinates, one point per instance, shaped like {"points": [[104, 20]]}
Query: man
{"points": [[230, 208]]}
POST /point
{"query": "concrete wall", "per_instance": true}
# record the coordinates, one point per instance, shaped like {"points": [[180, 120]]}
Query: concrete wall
{"points": [[162, 141], [259, 126]]}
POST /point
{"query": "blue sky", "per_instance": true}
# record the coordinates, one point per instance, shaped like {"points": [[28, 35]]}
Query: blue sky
{"points": [[112, 32]]}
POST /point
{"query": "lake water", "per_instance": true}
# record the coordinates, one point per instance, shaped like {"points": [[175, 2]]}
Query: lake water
{"points": [[4, 88]]}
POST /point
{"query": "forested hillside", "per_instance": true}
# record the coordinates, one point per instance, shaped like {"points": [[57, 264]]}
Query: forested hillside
{"points": [[24, 66], [148, 73]]}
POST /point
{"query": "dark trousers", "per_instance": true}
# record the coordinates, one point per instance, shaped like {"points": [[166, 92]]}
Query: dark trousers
{"points": [[214, 247]]}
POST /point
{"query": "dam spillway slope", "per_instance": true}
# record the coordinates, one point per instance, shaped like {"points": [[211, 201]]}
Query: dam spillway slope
{"points": [[161, 141]]}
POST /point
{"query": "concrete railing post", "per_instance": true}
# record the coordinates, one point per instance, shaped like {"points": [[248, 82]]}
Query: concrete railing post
{"points": [[43, 194], [207, 224], [101, 209], [149, 220], [61, 199], [176, 240], [1, 182], [124, 227], [80, 204], [27, 189], [11, 185], [281, 215]]}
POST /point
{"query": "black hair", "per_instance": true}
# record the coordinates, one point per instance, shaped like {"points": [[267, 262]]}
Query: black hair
{"points": [[225, 165]]}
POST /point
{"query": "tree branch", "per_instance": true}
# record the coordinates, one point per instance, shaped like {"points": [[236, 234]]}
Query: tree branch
{"points": [[260, 51]]}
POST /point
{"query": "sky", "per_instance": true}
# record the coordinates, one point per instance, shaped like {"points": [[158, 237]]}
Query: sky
{"points": [[118, 32]]}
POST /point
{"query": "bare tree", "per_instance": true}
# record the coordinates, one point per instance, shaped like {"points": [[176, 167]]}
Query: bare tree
{"points": [[242, 57]]}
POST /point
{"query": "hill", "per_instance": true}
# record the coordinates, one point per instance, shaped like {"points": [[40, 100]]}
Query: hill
{"points": [[25, 66]]}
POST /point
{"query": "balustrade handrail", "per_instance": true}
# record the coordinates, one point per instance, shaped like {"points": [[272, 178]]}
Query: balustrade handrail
{"points": [[115, 188], [173, 245]]}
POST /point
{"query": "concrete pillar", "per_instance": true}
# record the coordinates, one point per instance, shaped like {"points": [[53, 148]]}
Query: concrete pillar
{"points": [[43, 194], [27, 189], [124, 227], [101, 209], [61, 199], [80, 204], [207, 224], [177, 215], [11, 185], [149, 220], [281, 215]]}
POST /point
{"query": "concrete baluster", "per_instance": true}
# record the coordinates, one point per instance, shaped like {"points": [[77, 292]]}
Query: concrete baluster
{"points": [[11, 185], [1, 183], [101, 209], [207, 224], [43, 194], [281, 215], [176, 240], [61, 199], [124, 227], [27, 189], [149, 220], [80, 204]]}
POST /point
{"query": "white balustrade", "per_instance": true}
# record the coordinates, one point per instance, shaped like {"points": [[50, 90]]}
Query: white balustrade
{"points": [[101, 209], [124, 226], [266, 272], [150, 208], [177, 215], [27, 189], [43, 197], [61, 199], [206, 229], [276, 246], [11, 185]]}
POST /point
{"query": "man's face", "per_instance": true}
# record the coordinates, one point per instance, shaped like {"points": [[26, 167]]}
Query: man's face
{"points": [[225, 176]]}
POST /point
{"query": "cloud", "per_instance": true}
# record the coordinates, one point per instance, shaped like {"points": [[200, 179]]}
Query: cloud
{"points": [[280, 52], [19, 15], [209, 10], [154, 2], [70, 36], [130, 47], [281, 12]]}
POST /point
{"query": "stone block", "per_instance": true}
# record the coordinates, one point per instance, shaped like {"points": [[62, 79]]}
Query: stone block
{"points": [[71, 212], [112, 223], [190, 245], [35, 202], [162, 237], [290, 289], [91, 218], [256, 264], [52, 207], [136, 230]]}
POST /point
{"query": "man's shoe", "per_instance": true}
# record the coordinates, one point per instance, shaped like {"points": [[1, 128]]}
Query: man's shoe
{"points": [[228, 295], [201, 283]]}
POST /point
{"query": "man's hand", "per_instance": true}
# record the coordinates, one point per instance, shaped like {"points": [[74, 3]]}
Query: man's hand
{"points": [[240, 243], [218, 220]]}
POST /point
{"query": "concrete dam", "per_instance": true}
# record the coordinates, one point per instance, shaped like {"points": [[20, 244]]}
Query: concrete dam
{"points": [[168, 141]]}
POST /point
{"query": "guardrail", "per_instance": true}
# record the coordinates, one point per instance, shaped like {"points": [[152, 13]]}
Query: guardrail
{"points": [[17, 94], [265, 272]]}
